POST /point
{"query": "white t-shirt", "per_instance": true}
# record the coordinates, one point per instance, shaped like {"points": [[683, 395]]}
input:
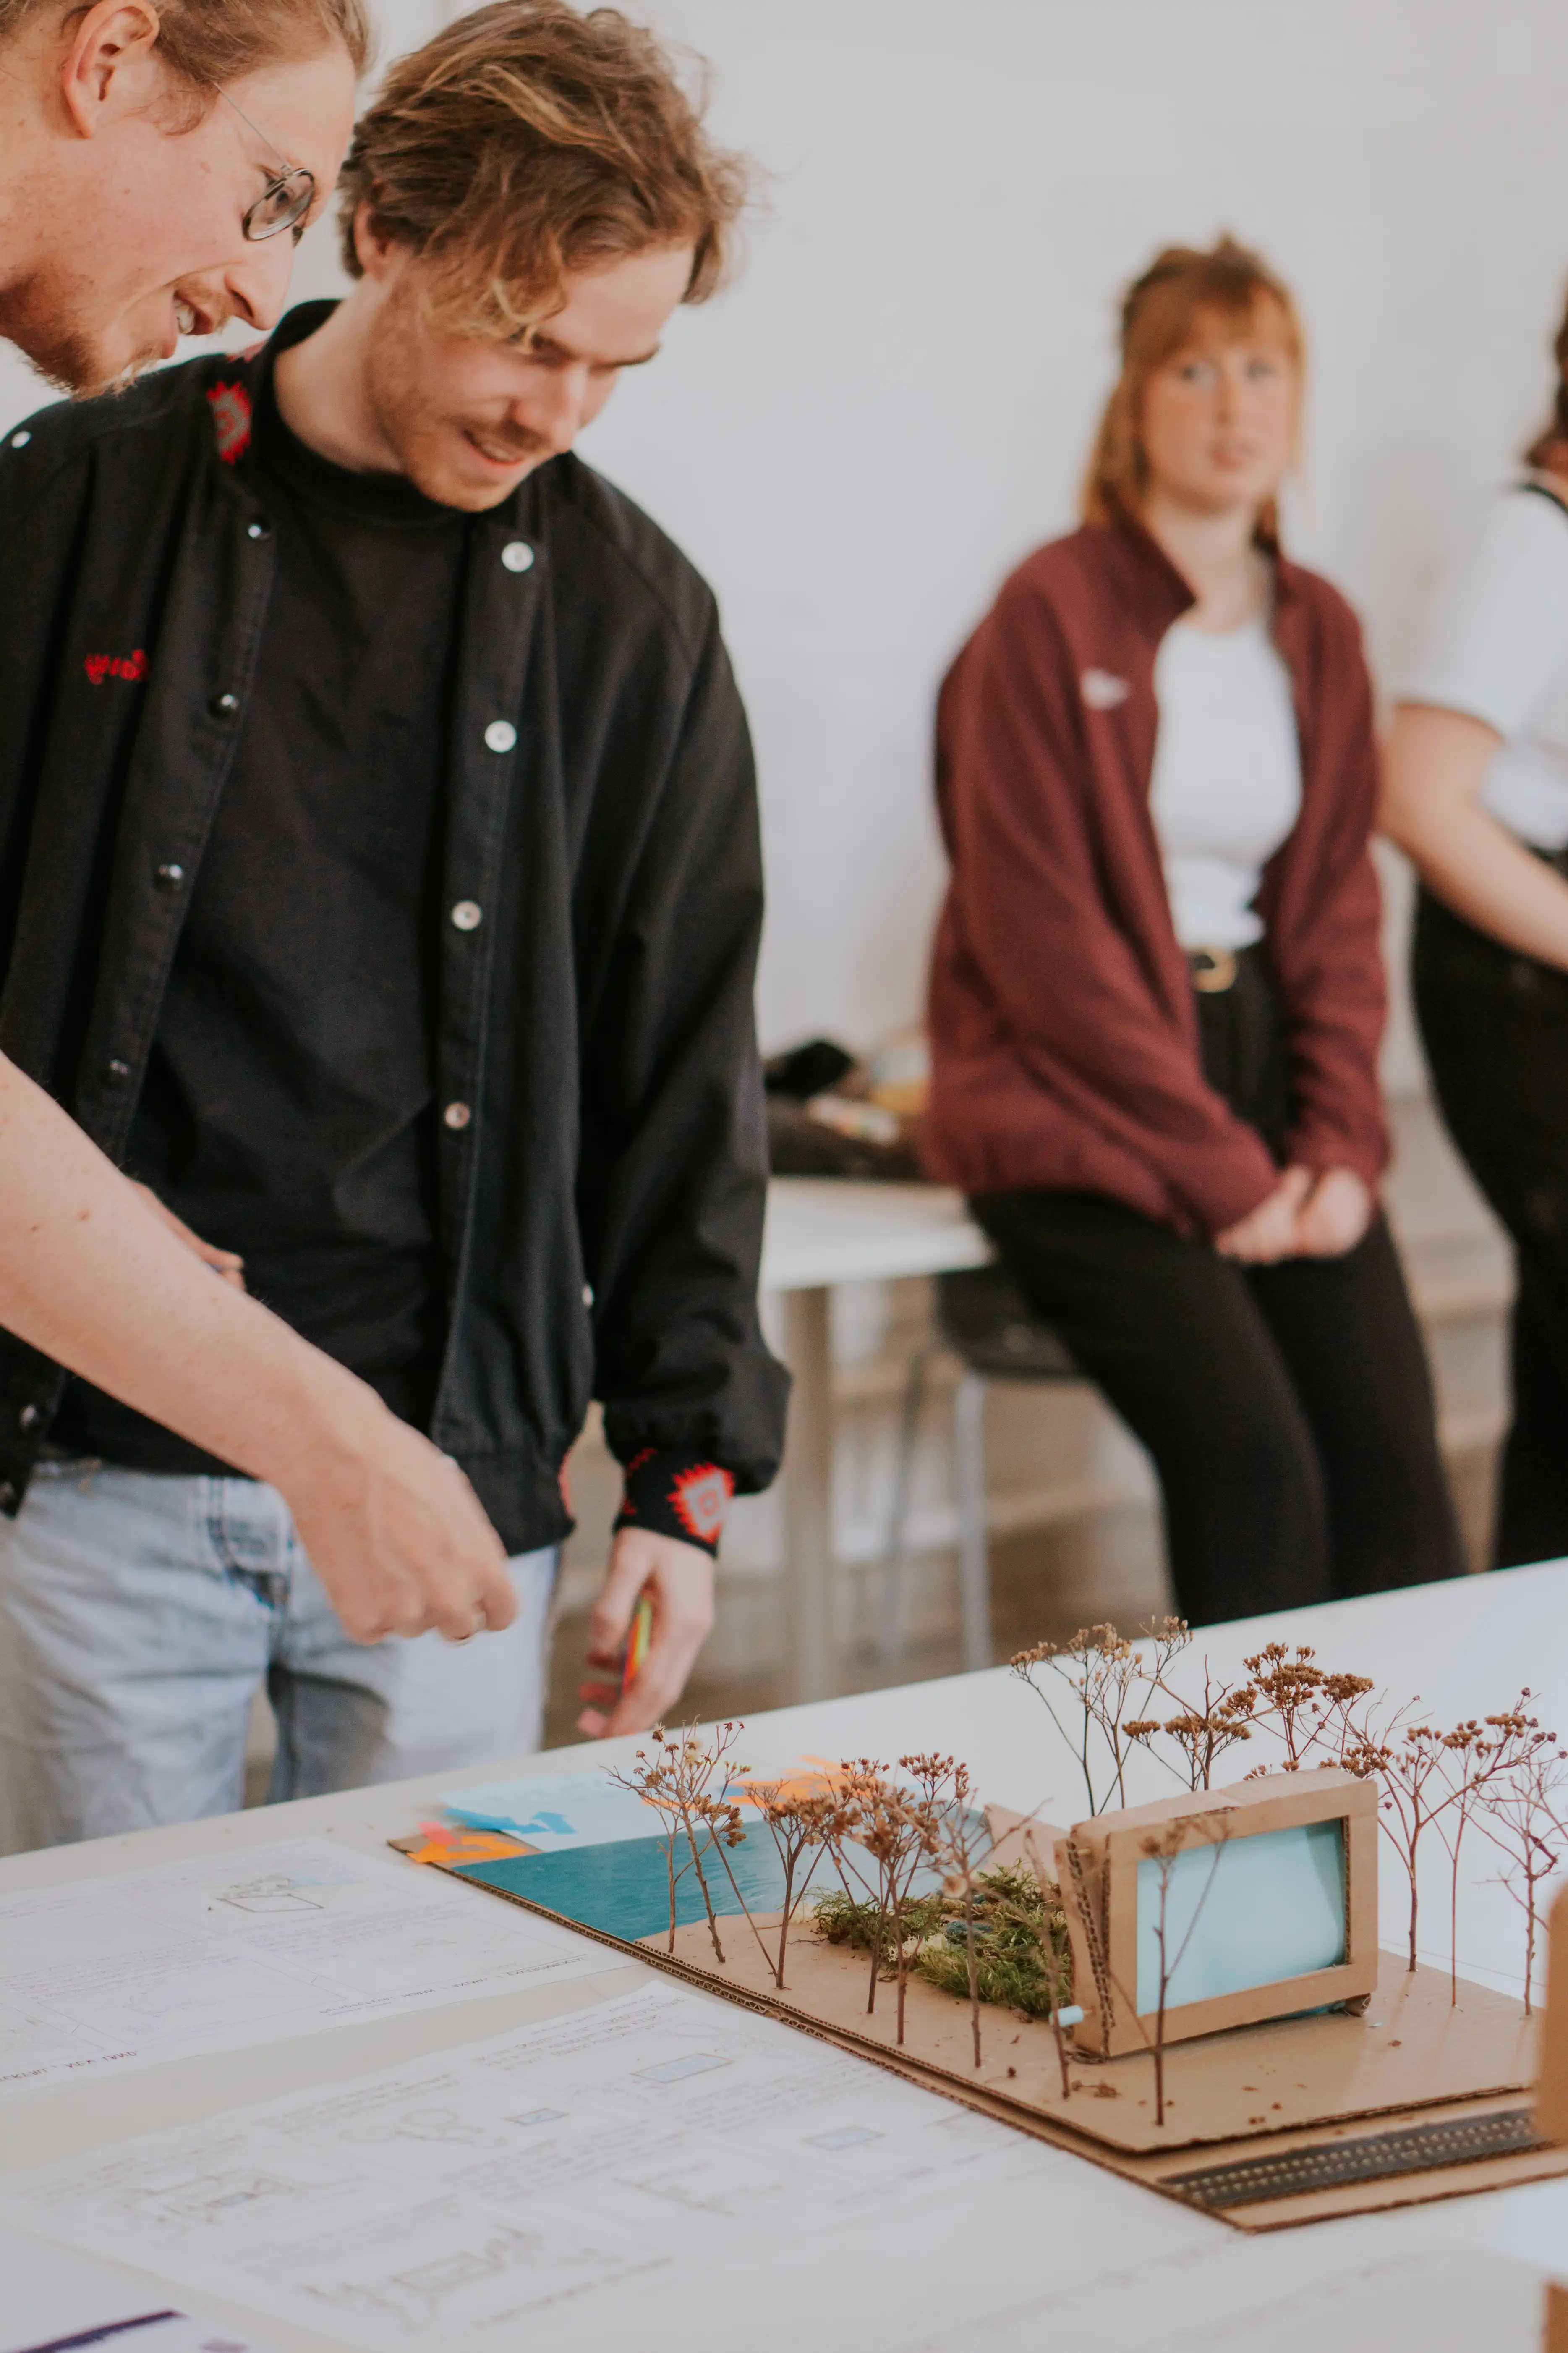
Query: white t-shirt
{"points": [[1226, 787], [1492, 641]]}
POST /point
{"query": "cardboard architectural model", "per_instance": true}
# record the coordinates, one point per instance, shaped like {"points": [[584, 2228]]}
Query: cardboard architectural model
{"points": [[1272, 1951], [1189, 1992]]}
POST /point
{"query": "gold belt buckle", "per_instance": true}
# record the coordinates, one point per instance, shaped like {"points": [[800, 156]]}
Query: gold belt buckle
{"points": [[1217, 974]]}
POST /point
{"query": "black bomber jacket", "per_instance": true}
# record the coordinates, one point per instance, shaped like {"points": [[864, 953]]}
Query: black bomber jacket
{"points": [[600, 1209]]}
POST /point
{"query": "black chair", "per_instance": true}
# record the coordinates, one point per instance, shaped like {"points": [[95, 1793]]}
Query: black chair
{"points": [[981, 1317]]}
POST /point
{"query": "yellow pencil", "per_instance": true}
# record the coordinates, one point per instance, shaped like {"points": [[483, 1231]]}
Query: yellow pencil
{"points": [[638, 1639]]}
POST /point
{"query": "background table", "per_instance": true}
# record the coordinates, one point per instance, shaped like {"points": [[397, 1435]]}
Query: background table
{"points": [[821, 1231], [1467, 1648]]}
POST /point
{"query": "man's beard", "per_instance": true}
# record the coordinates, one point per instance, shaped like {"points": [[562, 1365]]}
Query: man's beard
{"points": [[71, 362], [421, 437], [418, 432]]}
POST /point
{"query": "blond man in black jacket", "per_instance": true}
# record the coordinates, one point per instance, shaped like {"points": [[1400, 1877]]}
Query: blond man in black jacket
{"points": [[389, 900]]}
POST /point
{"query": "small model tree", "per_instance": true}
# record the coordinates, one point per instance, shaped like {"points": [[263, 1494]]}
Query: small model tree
{"points": [[963, 1843], [683, 1779], [1470, 1760], [800, 1823], [1308, 1709], [1520, 1808], [1163, 1848], [860, 1783], [1417, 1790], [651, 1778], [1201, 1735], [1101, 1672], [881, 1837]]}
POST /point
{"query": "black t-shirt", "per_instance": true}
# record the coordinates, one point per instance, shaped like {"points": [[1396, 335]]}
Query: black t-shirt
{"points": [[289, 1107]]}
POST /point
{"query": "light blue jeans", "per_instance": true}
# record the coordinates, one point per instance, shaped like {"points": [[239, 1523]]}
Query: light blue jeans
{"points": [[140, 1614]]}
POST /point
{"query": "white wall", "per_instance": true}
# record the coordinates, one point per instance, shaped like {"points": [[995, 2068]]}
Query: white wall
{"points": [[891, 404]]}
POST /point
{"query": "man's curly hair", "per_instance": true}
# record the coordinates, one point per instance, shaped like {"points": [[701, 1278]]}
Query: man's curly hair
{"points": [[527, 141]]}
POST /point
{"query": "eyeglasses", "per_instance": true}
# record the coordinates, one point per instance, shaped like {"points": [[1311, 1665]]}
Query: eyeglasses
{"points": [[286, 200]]}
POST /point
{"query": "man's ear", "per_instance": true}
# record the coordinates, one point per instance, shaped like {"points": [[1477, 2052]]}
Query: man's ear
{"points": [[109, 62], [375, 249]]}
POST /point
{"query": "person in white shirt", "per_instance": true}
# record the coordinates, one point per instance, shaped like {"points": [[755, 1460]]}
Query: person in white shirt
{"points": [[157, 162], [1476, 792]]}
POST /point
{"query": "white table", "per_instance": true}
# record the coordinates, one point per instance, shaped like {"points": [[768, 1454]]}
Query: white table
{"points": [[1466, 1647], [821, 1231]]}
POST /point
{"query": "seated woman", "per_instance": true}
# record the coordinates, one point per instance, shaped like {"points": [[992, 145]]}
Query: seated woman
{"points": [[1157, 996], [1476, 791]]}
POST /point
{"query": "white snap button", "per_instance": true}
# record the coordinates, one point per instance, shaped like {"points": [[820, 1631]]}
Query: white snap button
{"points": [[20, 441], [500, 735], [457, 1115], [587, 1294], [467, 916], [517, 555]]}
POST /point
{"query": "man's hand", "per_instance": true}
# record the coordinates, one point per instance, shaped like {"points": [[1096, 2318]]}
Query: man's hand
{"points": [[393, 1529], [1336, 1215], [397, 1535], [227, 1263], [1268, 1233], [678, 1580]]}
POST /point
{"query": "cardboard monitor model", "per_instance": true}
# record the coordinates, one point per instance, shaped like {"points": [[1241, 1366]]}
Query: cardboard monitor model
{"points": [[1222, 1908]]}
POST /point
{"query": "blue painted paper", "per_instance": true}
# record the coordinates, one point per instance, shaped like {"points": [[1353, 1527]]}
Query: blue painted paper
{"points": [[622, 1888]]}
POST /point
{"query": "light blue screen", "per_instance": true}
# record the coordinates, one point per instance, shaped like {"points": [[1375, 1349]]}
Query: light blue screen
{"points": [[1244, 1914]]}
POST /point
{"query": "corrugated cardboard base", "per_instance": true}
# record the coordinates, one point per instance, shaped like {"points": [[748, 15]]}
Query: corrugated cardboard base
{"points": [[1291, 2083]]}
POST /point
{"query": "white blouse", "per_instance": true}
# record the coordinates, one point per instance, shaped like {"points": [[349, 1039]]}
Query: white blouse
{"points": [[1492, 641], [1226, 787]]}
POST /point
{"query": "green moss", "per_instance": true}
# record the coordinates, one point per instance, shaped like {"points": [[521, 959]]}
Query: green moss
{"points": [[1012, 1916], [845, 1920], [1014, 1919]]}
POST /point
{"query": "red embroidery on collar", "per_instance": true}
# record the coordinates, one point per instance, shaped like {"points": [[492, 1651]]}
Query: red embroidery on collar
{"points": [[231, 421], [127, 666]]}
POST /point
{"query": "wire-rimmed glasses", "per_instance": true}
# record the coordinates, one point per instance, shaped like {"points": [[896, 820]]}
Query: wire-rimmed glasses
{"points": [[286, 200]]}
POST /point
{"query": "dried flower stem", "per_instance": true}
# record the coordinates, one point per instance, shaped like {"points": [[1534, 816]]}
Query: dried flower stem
{"points": [[963, 1843], [677, 1782], [1518, 1812], [798, 1826], [1163, 1848]]}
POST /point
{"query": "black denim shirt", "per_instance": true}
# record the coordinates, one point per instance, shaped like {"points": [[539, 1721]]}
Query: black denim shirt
{"points": [[601, 1170]]}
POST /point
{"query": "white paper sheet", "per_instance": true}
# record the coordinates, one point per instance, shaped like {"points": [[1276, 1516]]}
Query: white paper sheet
{"points": [[661, 2170], [48, 2298], [223, 1952], [1299, 2292], [670, 2173]]}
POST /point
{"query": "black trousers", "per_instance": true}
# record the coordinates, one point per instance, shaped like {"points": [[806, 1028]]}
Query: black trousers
{"points": [[1495, 1026], [1287, 1409]]}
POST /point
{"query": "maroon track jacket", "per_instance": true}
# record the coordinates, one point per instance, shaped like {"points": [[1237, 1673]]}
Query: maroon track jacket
{"points": [[1064, 1041]]}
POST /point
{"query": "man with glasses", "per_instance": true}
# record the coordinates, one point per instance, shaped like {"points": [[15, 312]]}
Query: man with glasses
{"points": [[424, 836], [134, 208]]}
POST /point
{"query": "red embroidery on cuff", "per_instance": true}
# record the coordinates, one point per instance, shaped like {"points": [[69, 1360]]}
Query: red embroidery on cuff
{"points": [[699, 1498], [231, 421]]}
